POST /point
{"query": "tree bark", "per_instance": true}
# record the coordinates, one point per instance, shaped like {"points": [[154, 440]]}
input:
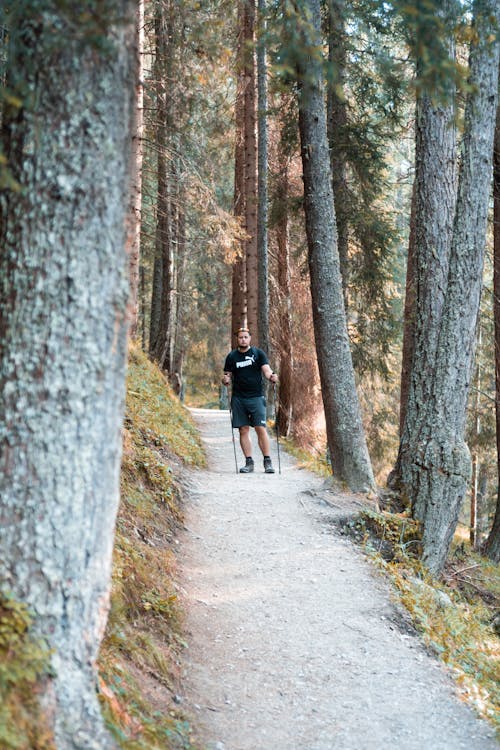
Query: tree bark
{"points": [[408, 316], [63, 310], [164, 240], [284, 334], [337, 122], [251, 201], [346, 439], [134, 217], [437, 469], [435, 195], [492, 546], [239, 292], [262, 216], [431, 228]]}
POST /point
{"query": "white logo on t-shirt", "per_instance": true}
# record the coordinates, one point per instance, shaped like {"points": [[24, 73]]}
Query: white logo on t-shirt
{"points": [[249, 360]]}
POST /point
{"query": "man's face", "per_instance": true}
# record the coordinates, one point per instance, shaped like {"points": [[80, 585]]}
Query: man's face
{"points": [[243, 340]]}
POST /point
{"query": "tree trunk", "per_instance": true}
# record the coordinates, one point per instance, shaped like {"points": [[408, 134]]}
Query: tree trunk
{"points": [[176, 377], [337, 122], [250, 146], [431, 227], [492, 546], [63, 304], [263, 281], [346, 439], [435, 195], [409, 315], [284, 334], [239, 292], [437, 469], [164, 241], [134, 218]]}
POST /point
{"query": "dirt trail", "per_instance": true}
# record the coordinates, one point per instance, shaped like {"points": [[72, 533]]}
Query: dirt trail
{"points": [[294, 643]]}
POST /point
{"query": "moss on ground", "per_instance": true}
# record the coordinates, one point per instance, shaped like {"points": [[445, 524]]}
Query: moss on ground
{"points": [[24, 666], [139, 659]]}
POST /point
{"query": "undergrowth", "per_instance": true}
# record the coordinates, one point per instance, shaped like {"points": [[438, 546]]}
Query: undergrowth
{"points": [[316, 462], [139, 658], [24, 666], [454, 615]]}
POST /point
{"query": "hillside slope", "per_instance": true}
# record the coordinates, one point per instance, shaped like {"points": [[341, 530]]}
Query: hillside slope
{"points": [[139, 656]]}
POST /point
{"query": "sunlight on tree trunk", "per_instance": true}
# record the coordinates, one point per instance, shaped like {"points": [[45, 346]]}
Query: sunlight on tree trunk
{"points": [[346, 439], [63, 311]]}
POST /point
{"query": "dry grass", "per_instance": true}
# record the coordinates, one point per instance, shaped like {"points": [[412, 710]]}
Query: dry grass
{"points": [[139, 660]]}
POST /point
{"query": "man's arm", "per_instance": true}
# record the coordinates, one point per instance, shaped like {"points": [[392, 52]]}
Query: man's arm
{"points": [[269, 374], [227, 378]]}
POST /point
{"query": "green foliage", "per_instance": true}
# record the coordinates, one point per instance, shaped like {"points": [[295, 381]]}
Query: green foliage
{"points": [[428, 27], [143, 635], [24, 669]]}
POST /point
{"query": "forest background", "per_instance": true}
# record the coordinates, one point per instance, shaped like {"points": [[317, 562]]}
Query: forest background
{"points": [[317, 171], [210, 207]]}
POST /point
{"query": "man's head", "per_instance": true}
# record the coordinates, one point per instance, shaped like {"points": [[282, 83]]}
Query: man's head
{"points": [[243, 335]]}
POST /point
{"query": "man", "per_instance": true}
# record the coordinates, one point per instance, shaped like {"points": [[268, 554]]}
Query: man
{"points": [[245, 367]]}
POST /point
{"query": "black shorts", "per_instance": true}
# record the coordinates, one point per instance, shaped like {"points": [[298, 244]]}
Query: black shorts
{"points": [[249, 411]]}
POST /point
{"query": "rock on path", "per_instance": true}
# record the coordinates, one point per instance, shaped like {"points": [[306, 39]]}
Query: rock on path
{"points": [[294, 643]]}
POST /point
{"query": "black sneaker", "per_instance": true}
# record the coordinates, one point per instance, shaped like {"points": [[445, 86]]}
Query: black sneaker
{"points": [[268, 467], [248, 468]]}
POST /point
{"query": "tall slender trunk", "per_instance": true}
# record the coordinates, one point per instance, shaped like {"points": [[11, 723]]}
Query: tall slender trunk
{"points": [[176, 377], [63, 312], [134, 218], [167, 179], [250, 146], [239, 292], [346, 439], [476, 466], [409, 315], [284, 333], [492, 546], [337, 122], [263, 273]]}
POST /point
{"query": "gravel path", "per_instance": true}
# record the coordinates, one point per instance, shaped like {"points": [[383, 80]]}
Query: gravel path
{"points": [[294, 643]]}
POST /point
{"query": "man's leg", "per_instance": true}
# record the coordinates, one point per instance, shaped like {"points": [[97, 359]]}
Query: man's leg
{"points": [[246, 447], [245, 442], [263, 439]]}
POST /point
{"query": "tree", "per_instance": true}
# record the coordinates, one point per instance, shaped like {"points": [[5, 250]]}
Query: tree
{"points": [[134, 218], [239, 280], [492, 546], [337, 125], [63, 312], [250, 151], [433, 208], [438, 464], [262, 170], [346, 440], [165, 31], [364, 101], [283, 292]]}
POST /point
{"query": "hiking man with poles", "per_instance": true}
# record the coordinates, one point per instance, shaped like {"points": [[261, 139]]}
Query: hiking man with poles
{"points": [[244, 368]]}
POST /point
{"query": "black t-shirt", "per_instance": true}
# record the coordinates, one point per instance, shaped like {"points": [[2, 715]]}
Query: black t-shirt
{"points": [[247, 375]]}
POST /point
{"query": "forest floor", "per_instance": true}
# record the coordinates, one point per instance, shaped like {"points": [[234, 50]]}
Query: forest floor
{"points": [[294, 640]]}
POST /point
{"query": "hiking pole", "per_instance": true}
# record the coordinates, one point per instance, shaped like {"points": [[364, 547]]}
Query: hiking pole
{"points": [[232, 429], [276, 411]]}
